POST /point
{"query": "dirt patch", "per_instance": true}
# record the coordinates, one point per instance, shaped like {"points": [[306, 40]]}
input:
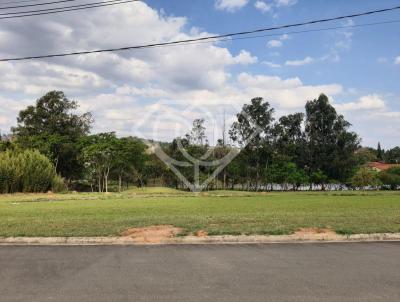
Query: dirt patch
{"points": [[201, 233], [152, 234], [304, 232]]}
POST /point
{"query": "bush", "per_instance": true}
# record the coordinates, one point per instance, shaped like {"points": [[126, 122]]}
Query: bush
{"points": [[391, 177], [365, 177], [27, 171], [9, 173], [58, 185]]}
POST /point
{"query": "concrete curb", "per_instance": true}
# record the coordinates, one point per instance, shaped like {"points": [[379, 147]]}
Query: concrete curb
{"points": [[226, 239]]}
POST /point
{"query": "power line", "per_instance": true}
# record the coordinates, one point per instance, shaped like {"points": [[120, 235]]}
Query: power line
{"points": [[216, 38], [48, 11], [288, 33], [22, 1], [36, 4]]}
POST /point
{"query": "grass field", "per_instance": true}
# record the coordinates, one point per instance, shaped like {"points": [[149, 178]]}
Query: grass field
{"points": [[217, 212]]}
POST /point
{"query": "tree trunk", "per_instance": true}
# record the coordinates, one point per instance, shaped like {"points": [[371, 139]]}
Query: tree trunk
{"points": [[106, 179], [119, 183]]}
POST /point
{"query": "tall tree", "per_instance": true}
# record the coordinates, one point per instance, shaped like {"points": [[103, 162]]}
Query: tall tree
{"points": [[330, 145], [392, 156], [197, 135], [128, 160], [289, 137], [99, 154], [253, 132], [379, 152], [52, 127]]}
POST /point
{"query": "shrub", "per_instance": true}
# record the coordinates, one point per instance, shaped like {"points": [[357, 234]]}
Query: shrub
{"points": [[391, 177], [58, 184], [27, 171], [365, 177]]}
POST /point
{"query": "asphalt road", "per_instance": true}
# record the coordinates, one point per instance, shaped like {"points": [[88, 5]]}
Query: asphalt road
{"points": [[271, 272]]}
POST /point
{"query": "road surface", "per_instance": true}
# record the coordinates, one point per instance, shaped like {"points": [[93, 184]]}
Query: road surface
{"points": [[271, 272]]}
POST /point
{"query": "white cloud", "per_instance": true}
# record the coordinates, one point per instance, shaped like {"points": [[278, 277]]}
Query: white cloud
{"points": [[397, 60], [368, 102], [279, 3], [230, 5], [284, 93], [120, 87], [278, 42], [274, 43], [271, 64], [305, 61], [284, 37], [374, 121], [244, 57], [262, 6]]}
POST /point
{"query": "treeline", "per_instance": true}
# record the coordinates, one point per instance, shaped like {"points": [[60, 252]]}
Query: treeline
{"points": [[311, 150]]}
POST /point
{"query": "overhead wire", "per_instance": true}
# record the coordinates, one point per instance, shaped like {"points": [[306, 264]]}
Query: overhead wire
{"points": [[236, 35], [36, 4], [13, 15]]}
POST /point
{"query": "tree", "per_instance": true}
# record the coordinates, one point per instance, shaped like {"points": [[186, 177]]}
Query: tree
{"points": [[284, 172], [391, 177], [252, 131], [128, 159], [365, 155], [289, 138], [319, 178], [379, 152], [197, 135], [392, 156], [99, 153], [52, 127], [330, 146], [365, 177]]}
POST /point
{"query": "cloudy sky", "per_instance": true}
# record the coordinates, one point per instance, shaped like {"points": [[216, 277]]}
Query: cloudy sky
{"points": [[135, 92]]}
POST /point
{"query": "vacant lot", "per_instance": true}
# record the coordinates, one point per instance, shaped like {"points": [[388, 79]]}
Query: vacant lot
{"points": [[218, 212]]}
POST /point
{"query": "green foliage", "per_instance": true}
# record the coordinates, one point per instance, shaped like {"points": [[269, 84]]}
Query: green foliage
{"points": [[365, 155], [106, 156], [58, 185], [379, 152], [98, 154], [312, 148], [330, 146], [319, 178], [392, 156], [365, 177], [197, 135], [27, 171], [391, 177], [52, 127]]}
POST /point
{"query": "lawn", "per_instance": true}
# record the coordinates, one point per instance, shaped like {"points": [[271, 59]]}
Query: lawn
{"points": [[218, 212]]}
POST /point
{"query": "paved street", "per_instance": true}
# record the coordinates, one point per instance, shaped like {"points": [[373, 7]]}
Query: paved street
{"points": [[274, 272]]}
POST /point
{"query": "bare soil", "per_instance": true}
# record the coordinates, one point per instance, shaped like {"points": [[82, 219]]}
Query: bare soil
{"points": [[201, 233], [152, 234], [314, 231]]}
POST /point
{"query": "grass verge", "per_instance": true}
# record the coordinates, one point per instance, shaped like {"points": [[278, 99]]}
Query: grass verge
{"points": [[218, 212]]}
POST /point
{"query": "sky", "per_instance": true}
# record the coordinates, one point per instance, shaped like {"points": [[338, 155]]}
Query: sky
{"points": [[156, 93]]}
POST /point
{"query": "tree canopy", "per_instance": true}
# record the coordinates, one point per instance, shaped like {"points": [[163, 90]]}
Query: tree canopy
{"points": [[53, 127]]}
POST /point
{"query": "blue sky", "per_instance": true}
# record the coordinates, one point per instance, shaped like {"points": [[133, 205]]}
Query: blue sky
{"points": [[360, 65], [358, 68]]}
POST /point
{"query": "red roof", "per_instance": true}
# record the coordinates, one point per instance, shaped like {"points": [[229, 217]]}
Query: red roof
{"points": [[381, 166]]}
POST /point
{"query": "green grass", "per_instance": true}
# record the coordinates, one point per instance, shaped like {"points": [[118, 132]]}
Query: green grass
{"points": [[217, 212]]}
